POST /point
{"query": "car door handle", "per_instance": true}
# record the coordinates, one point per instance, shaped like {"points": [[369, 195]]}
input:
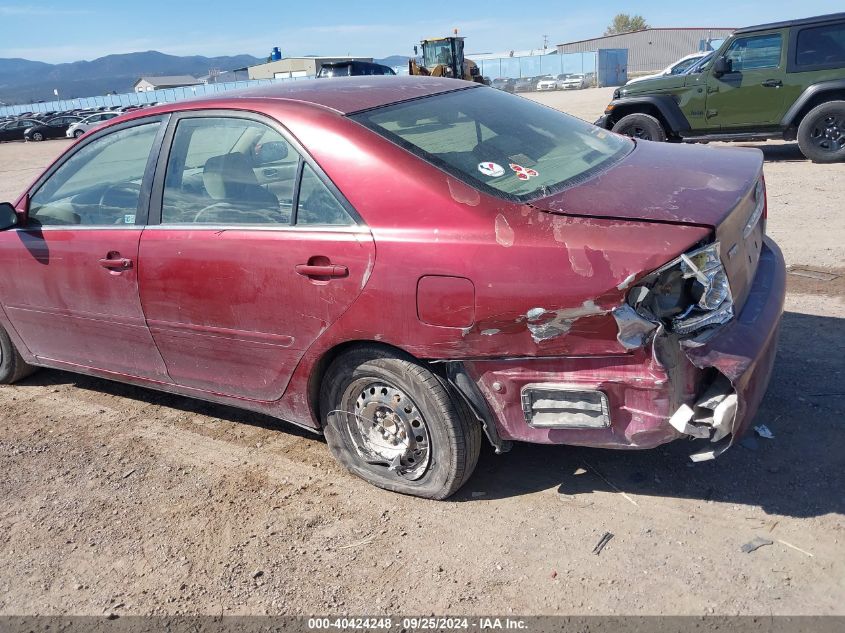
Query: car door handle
{"points": [[772, 83], [117, 263], [325, 270]]}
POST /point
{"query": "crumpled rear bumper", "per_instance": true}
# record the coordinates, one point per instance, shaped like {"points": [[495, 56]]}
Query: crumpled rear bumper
{"points": [[744, 350], [643, 388]]}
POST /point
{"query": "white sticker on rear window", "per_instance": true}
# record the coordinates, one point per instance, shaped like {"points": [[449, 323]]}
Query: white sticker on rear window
{"points": [[491, 169], [129, 219]]}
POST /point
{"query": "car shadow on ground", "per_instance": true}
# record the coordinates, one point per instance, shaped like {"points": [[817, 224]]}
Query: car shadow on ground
{"points": [[780, 153], [50, 377], [799, 473]]}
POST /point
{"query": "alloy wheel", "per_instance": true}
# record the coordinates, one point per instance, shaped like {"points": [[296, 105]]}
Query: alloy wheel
{"points": [[829, 133]]}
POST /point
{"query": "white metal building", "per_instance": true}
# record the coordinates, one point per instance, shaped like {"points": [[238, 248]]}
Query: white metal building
{"points": [[651, 50], [148, 84]]}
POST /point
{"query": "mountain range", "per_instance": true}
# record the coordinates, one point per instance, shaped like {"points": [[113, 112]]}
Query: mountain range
{"points": [[25, 81]]}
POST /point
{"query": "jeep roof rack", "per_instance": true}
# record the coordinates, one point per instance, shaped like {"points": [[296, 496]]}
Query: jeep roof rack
{"points": [[832, 17]]}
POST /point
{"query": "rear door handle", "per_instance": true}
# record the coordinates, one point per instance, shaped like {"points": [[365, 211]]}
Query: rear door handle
{"points": [[772, 83], [118, 263], [326, 270]]}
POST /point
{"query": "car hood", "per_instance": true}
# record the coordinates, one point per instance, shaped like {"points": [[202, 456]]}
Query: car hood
{"points": [[658, 83], [663, 182], [637, 80]]}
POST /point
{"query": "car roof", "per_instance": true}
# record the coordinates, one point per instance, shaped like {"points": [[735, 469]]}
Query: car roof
{"points": [[831, 17], [344, 95]]}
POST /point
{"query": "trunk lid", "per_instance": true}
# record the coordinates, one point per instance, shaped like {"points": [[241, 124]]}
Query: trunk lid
{"points": [[664, 182], [681, 184]]}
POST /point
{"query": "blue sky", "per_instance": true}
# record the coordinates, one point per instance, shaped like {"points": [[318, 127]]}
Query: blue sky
{"points": [[70, 31]]}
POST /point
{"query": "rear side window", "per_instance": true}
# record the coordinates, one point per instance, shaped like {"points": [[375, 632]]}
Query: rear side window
{"points": [[317, 205], [752, 53], [821, 46], [228, 171], [236, 171]]}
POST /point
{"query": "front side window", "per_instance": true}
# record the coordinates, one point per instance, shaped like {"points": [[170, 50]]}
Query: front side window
{"points": [[821, 45], [504, 144], [752, 53], [229, 171], [100, 184]]}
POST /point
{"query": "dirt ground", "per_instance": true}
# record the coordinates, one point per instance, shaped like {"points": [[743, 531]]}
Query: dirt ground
{"points": [[121, 500]]}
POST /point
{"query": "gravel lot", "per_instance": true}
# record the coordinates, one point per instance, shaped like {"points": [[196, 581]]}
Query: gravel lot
{"points": [[122, 500]]}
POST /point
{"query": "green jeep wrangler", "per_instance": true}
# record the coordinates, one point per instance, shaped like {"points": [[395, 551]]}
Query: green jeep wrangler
{"points": [[784, 80]]}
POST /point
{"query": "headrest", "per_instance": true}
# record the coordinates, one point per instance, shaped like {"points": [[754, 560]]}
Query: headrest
{"points": [[228, 175]]}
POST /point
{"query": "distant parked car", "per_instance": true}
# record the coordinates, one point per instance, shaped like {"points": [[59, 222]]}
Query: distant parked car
{"points": [[13, 130], [526, 84], [547, 83], [54, 128], [573, 82], [679, 67], [80, 127], [504, 83], [353, 69]]}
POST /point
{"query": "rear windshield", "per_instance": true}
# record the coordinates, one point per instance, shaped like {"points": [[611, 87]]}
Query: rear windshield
{"points": [[506, 145]]}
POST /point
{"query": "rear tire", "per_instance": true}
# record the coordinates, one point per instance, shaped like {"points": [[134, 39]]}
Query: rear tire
{"points": [[821, 134], [392, 422], [641, 126], [12, 366]]}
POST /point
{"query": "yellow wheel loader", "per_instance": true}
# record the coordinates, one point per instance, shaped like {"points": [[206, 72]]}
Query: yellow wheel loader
{"points": [[444, 57]]}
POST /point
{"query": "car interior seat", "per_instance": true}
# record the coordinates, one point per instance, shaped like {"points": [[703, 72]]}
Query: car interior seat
{"points": [[230, 179]]}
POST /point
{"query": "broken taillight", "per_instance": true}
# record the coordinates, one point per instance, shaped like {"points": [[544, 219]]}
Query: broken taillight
{"points": [[688, 294]]}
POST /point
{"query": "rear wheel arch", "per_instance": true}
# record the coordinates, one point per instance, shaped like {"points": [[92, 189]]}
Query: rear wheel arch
{"points": [[817, 100], [319, 369], [813, 96]]}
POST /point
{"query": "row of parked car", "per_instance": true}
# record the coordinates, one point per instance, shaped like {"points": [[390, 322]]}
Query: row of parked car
{"points": [[32, 126], [564, 81]]}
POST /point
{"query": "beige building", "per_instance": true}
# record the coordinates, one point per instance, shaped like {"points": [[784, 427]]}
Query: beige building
{"points": [[296, 67], [651, 50]]}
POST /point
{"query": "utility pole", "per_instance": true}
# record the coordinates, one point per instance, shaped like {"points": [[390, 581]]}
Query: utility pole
{"points": [[545, 42]]}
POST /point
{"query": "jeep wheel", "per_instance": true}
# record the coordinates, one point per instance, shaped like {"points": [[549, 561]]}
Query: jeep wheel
{"points": [[642, 126], [821, 135], [392, 422]]}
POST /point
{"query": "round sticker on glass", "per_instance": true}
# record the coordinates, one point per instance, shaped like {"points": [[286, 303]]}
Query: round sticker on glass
{"points": [[491, 169]]}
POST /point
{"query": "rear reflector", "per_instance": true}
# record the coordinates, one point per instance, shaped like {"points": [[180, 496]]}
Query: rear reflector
{"points": [[551, 406]]}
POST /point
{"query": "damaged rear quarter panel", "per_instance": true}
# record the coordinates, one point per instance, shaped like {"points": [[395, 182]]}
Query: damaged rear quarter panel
{"points": [[545, 283]]}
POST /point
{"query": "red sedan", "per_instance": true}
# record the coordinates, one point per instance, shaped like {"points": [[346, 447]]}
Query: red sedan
{"points": [[407, 265]]}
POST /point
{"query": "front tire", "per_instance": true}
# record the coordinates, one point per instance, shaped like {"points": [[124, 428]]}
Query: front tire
{"points": [[78, 133], [38, 136], [12, 366], [640, 126], [392, 422], [821, 134]]}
